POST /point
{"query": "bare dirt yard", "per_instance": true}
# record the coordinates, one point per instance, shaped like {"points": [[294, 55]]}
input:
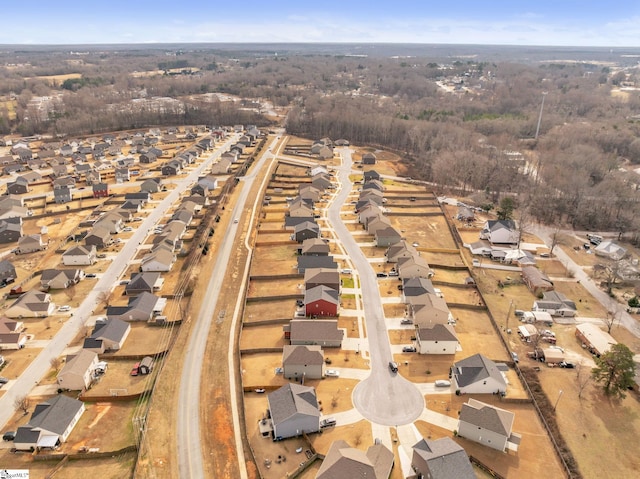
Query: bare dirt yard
{"points": [[266, 310]]}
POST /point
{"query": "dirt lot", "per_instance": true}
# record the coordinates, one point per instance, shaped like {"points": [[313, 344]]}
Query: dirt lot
{"points": [[268, 336], [118, 380], [476, 335], [265, 310], [427, 231], [267, 288]]}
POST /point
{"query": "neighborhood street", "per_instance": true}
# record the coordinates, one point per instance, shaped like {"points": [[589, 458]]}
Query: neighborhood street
{"points": [[42, 363], [383, 397]]}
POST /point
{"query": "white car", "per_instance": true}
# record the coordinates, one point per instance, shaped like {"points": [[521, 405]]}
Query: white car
{"points": [[64, 308], [442, 383], [332, 373]]}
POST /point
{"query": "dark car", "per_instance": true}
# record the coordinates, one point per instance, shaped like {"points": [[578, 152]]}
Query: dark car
{"points": [[381, 275], [567, 365], [408, 349], [90, 275], [3, 380], [300, 303], [393, 366], [9, 436]]}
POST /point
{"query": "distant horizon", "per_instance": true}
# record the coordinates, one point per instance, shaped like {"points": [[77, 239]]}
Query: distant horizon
{"points": [[568, 23]]}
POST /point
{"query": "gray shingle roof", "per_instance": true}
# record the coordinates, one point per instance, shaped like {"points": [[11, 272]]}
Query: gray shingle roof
{"points": [[487, 417], [445, 458], [292, 399], [476, 368], [56, 414]]}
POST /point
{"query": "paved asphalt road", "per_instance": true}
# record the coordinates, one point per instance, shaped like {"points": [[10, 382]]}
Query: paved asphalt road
{"points": [[42, 363], [384, 397], [188, 429]]}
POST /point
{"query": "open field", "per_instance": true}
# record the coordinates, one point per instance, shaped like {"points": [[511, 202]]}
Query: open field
{"points": [[427, 231], [265, 310], [267, 288], [267, 336]]}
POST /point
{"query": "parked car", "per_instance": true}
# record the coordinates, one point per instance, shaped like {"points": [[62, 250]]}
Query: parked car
{"points": [[565, 364], [514, 355], [381, 275], [90, 275], [3, 380], [136, 369], [346, 271], [393, 366], [299, 303], [332, 373], [406, 321], [127, 229], [415, 244], [408, 349], [442, 383], [259, 390], [9, 436], [328, 422], [393, 272], [64, 308], [101, 256]]}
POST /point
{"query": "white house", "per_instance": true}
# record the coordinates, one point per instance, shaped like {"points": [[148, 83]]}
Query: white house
{"points": [[79, 256], [488, 425], [437, 339], [477, 375], [294, 410]]}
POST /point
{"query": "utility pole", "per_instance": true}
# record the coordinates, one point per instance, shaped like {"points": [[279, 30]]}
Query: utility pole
{"points": [[557, 400], [508, 314], [544, 94]]}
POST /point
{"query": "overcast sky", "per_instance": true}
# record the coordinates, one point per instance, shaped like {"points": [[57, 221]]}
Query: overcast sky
{"points": [[512, 22]]}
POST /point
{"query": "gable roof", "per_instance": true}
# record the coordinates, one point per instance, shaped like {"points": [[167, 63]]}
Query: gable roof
{"points": [[112, 329], [445, 458], [488, 417], [79, 363], [55, 414], [315, 330], [343, 461], [438, 332], [302, 354], [321, 292], [476, 368], [292, 399]]}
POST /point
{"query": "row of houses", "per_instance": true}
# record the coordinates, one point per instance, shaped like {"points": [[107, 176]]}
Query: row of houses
{"points": [[370, 211]]}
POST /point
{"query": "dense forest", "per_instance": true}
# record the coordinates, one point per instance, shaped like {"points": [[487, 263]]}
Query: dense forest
{"points": [[561, 135]]}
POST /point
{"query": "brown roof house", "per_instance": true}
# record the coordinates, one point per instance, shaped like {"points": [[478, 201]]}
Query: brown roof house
{"points": [[428, 309], [344, 461], [98, 236], [77, 373], [537, 281], [51, 423], [79, 255], [314, 247], [60, 278], [302, 362], [322, 332], [322, 276], [161, 260], [293, 410], [488, 425], [441, 459], [556, 304], [32, 304], [30, 244], [140, 308], [12, 334], [437, 339]]}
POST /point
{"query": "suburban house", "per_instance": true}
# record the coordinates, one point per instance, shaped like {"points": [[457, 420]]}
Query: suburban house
{"points": [[414, 267], [18, 187], [62, 194], [595, 339], [611, 250], [373, 185], [107, 335], [12, 334], [302, 362], [305, 261], [10, 231], [477, 375], [93, 177], [488, 425], [161, 260], [100, 190], [60, 278], [322, 276], [77, 373], [344, 461], [321, 300], [112, 221], [292, 222], [151, 185], [387, 236], [500, 232], [369, 213], [293, 410], [371, 175], [140, 308], [416, 287], [428, 309], [465, 214], [400, 249], [437, 339], [144, 282], [79, 256], [171, 168], [314, 247], [99, 237], [537, 281], [122, 175], [556, 304], [441, 459], [51, 423], [7, 271], [322, 332], [171, 234], [30, 244], [368, 159], [32, 304]]}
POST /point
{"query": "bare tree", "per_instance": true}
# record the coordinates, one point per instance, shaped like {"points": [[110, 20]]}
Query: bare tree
{"points": [[22, 403], [55, 363], [611, 273], [70, 292], [612, 317], [556, 237], [105, 297], [583, 377]]}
